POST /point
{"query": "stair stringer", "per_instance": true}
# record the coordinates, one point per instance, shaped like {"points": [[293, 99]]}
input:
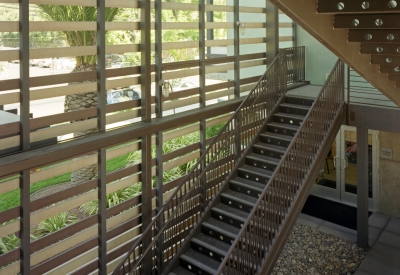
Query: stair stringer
{"points": [[291, 218], [320, 26], [207, 212]]}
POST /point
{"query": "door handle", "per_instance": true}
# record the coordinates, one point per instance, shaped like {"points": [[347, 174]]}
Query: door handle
{"points": [[345, 162], [334, 162]]}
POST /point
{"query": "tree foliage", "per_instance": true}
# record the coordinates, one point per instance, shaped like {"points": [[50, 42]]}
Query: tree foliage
{"points": [[77, 14]]}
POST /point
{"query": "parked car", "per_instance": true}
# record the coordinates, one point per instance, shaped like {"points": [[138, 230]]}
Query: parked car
{"points": [[34, 62], [117, 95], [46, 62], [131, 92], [113, 96]]}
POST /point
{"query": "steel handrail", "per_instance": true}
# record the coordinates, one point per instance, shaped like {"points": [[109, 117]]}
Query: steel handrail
{"points": [[259, 201]]}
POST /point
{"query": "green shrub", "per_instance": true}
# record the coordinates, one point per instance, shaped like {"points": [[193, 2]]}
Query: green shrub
{"points": [[8, 243], [113, 199], [56, 223]]}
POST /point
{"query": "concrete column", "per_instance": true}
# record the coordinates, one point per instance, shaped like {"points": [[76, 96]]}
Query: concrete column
{"points": [[362, 187]]}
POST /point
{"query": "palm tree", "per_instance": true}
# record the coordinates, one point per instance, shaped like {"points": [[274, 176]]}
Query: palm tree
{"points": [[83, 63]]}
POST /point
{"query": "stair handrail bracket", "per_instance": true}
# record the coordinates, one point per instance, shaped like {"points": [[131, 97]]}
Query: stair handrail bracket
{"points": [[192, 196], [268, 216]]}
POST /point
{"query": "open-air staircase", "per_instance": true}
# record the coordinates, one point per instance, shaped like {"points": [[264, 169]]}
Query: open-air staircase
{"points": [[230, 212], [364, 34], [235, 210]]}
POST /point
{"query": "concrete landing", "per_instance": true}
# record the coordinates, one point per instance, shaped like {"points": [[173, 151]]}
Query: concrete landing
{"points": [[384, 257]]}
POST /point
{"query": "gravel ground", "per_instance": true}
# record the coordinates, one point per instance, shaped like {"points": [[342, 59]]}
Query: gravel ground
{"points": [[50, 190], [309, 251]]}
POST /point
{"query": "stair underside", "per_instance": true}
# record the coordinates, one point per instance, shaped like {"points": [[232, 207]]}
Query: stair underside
{"points": [[321, 27]]}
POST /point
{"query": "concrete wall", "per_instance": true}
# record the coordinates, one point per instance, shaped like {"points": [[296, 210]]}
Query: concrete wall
{"points": [[389, 175], [319, 60]]}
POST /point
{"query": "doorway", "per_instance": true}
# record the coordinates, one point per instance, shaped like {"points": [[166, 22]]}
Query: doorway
{"points": [[337, 179]]}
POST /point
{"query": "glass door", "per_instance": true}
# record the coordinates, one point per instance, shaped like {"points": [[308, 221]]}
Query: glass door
{"points": [[327, 182], [348, 166], [337, 179]]}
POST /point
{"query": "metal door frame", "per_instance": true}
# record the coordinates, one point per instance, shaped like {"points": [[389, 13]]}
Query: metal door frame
{"points": [[339, 194]]}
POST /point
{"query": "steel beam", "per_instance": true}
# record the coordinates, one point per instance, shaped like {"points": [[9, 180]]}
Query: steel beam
{"points": [[145, 26], [101, 128], [236, 70], [376, 118], [24, 84], [202, 80], [159, 134], [362, 187], [272, 29], [236, 48]]}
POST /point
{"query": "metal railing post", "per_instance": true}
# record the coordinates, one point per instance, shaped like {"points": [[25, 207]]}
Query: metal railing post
{"points": [[237, 73], [159, 137], [202, 95], [101, 128], [348, 96], [25, 177], [237, 138], [146, 177]]}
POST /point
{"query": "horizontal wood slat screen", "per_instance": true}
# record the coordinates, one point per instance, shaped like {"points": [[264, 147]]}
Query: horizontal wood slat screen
{"points": [[192, 50]]}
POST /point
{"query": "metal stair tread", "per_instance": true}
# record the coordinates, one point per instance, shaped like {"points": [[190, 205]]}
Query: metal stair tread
{"points": [[181, 271], [248, 184], [289, 115], [263, 158], [298, 106], [231, 211], [211, 243], [254, 170], [308, 98], [252, 184], [275, 135], [200, 260], [221, 227], [283, 125], [279, 149], [246, 199]]}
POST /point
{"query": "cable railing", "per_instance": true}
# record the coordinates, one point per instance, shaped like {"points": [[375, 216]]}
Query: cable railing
{"points": [[360, 91], [257, 237], [162, 238]]}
